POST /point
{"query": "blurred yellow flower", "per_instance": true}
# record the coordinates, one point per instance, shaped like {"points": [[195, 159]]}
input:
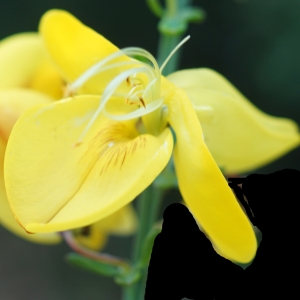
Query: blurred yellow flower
{"points": [[21, 62], [24, 64], [83, 158]]}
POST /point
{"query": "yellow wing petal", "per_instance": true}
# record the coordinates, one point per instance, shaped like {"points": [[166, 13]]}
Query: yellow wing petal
{"points": [[204, 187], [54, 185], [239, 136], [75, 47]]}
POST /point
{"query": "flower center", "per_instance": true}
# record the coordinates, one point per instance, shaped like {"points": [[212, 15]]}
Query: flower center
{"points": [[140, 72]]}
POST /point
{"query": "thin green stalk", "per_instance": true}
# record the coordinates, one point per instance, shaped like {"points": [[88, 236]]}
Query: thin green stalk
{"points": [[148, 206], [157, 196], [143, 208], [172, 7], [150, 199]]}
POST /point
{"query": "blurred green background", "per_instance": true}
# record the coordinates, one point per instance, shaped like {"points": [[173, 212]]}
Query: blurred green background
{"points": [[254, 43]]}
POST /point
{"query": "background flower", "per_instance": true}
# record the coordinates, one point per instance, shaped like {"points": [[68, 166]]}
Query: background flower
{"points": [[27, 79]]}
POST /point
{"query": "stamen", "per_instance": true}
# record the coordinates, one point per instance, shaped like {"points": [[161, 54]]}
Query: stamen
{"points": [[173, 51], [108, 92], [137, 113], [146, 93]]}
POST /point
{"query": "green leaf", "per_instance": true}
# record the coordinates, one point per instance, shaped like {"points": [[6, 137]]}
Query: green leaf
{"points": [[193, 14], [93, 266], [155, 7]]}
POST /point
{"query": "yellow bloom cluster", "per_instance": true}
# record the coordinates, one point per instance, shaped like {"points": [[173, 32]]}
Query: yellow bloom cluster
{"points": [[76, 161]]}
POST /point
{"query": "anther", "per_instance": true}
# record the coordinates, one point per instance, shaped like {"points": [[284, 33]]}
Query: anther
{"points": [[142, 101], [128, 81], [68, 91]]}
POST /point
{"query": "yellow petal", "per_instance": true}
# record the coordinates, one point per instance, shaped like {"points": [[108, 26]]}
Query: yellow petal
{"points": [[7, 219], [23, 59], [54, 184], [239, 136], [122, 222], [204, 187], [75, 47], [14, 102], [20, 55], [91, 237], [47, 80]]}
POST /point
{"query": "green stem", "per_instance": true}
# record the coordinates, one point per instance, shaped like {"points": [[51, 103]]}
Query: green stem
{"points": [[150, 199], [166, 44], [155, 202], [148, 206]]}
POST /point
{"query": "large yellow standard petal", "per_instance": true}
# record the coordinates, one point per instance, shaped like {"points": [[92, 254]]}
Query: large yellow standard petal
{"points": [[62, 184], [204, 187], [75, 48], [239, 136], [12, 104]]}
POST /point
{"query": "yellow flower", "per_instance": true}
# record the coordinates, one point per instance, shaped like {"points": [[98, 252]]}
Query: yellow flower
{"points": [[85, 157], [30, 79]]}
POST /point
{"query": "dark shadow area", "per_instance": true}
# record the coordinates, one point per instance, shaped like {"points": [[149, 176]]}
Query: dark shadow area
{"points": [[184, 264]]}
